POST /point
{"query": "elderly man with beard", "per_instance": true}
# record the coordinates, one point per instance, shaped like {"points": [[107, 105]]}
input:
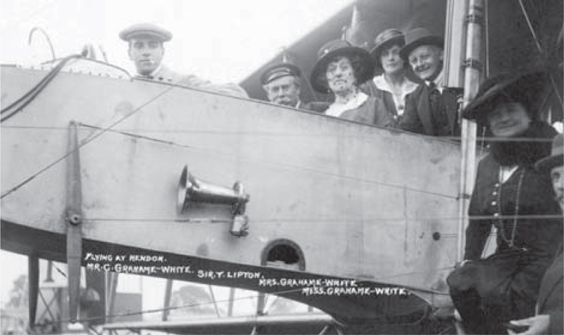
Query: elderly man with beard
{"points": [[432, 109], [146, 50]]}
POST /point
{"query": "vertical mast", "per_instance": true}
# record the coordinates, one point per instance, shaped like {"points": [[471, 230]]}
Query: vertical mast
{"points": [[464, 34]]}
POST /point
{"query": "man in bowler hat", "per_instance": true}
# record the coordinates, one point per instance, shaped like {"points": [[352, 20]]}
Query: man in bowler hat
{"points": [[432, 109], [146, 50]]}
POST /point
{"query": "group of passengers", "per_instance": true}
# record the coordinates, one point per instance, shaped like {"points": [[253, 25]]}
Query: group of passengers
{"points": [[346, 72], [517, 181], [390, 99]]}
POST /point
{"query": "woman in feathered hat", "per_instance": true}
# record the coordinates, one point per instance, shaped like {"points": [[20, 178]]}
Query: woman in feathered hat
{"points": [[516, 199], [340, 69]]}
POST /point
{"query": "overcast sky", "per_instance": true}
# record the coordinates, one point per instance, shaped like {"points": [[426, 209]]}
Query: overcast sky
{"points": [[220, 40]]}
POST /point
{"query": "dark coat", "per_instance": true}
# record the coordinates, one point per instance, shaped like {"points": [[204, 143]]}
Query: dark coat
{"points": [[420, 118], [551, 295], [504, 286]]}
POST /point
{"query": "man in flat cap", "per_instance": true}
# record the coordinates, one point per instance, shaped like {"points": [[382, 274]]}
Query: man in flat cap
{"points": [[432, 109], [282, 84], [146, 50]]}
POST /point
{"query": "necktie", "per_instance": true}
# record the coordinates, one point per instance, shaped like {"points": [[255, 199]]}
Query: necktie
{"points": [[438, 110]]}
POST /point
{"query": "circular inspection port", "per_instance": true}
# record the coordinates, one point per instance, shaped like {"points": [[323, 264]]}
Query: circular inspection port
{"points": [[283, 253]]}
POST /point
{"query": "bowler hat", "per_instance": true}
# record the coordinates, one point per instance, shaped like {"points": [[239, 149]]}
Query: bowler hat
{"points": [[556, 157], [524, 88], [335, 48], [418, 37], [145, 29], [278, 71], [386, 38]]}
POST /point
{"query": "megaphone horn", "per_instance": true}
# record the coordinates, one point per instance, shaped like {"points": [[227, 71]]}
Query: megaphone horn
{"points": [[193, 190]]}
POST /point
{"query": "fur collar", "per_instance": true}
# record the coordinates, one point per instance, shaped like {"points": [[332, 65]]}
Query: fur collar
{"points": [[525, 152]]}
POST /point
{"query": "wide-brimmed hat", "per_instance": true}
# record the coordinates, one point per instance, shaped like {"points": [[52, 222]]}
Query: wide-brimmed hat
{"points": [[145, 30], [524, 88], [335, 48], [418, 37], [556, 157], [386, 38], [278, 71]]}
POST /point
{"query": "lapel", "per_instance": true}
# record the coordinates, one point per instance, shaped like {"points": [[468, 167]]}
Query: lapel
{"points": [[552, 277]]}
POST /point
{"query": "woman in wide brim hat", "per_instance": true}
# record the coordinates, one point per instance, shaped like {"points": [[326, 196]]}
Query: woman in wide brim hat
{"points": [[391, 82], [515, 198], [340, 69], [363, 64], [525, 88]]}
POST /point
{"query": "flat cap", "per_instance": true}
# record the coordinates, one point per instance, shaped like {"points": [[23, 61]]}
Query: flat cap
{"points": [[145, 29]]}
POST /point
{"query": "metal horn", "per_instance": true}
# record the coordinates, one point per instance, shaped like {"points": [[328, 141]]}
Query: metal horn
{"points": [[193, 190]]}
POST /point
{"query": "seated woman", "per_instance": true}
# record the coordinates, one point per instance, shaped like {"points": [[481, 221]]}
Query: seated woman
{"points": [[516, 199], [339, 70], [391, 84]]}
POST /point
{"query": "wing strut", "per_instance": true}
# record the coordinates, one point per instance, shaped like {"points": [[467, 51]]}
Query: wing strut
{"points": [[33, 282], [74, 222]]}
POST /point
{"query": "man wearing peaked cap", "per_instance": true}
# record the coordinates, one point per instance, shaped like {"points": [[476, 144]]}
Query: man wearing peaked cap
{"points": [[146, 50], [432, 109], [282, 84], [145, 29]]}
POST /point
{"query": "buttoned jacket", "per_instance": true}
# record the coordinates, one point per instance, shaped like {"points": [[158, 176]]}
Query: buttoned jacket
{"points": [[529, 192], [420, 118]]}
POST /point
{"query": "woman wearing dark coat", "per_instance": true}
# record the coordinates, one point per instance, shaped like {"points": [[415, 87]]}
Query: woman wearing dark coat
{"points": [[510, 195]]}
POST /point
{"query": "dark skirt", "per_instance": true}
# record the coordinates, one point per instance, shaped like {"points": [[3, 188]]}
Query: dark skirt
{"points": [[494, 290]]}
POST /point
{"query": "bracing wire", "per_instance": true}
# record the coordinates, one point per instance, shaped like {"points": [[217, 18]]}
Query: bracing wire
{"points": [[302, 220], [196, 305], [540, 49], [87, 141], [278, 164]]}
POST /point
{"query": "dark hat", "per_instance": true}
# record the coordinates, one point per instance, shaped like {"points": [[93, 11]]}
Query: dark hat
{"points": [[278, 71], [339, 48], [418, 37], [556, 157], [145, 29], [384, 39], [523, 88]]}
